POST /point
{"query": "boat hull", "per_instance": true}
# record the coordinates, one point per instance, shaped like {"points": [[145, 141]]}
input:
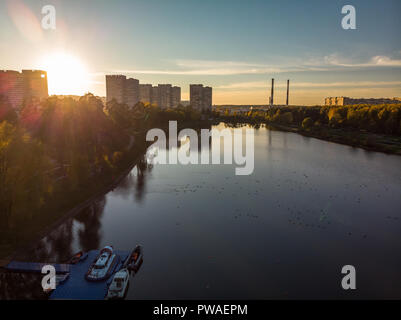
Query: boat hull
{"points": [[91, 276]]}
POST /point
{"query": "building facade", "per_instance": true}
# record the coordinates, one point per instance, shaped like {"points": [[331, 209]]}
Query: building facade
{"points": [[121, 89], [207, 98], [175, 97], [200, 97], [115, 88], [343, 101], [130, 91], [16, 86], [155, 98], [165, 95], [145, 93]]}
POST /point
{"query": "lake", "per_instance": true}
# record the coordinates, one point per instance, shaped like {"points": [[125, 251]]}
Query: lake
{"points": [[284, 232]]}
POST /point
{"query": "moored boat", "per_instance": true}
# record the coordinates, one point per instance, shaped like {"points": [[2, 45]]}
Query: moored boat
{"points": [[135, 259], [79, 256], [103, 266], [119, 285]]}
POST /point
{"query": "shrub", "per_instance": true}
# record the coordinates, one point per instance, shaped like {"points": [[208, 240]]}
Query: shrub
{"points": [[307, 123]]}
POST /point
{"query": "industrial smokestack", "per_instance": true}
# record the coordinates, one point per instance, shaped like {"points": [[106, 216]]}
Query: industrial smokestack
{"points": [[272, 93], [288, 90]]}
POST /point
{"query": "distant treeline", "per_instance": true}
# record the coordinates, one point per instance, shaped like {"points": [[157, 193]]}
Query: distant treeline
{"points": [[385, 119]]}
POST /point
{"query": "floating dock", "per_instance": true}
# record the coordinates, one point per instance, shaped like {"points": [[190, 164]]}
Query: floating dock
{"points": [[75, 287], [35, 267]]}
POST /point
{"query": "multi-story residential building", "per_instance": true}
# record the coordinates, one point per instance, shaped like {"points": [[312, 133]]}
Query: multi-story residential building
{"points": [[17, 86], [165, 95], [145, 93], [155, 97], [196, 96], [121, 89], [115, 88], [175, 96], [207, 98], [343, 101], [200, 97], [131, 92]]}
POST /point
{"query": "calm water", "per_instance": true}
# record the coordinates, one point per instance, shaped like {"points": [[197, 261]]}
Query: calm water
{"points": [[309, 208]]}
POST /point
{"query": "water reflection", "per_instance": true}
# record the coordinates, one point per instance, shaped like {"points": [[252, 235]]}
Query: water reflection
{"points": [[83, 231], [89, 231], [18, 286], [142, 168]]}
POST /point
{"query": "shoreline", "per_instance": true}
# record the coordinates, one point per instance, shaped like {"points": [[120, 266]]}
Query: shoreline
{"points": [[63, 217], [369, 141], [364, 140]]}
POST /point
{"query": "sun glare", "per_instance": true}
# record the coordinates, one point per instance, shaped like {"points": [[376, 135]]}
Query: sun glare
{"points": [[66, 74]]}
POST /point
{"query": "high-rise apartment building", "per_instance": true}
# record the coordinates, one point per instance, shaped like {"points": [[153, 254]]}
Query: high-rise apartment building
{"points": [[165, 95], [17, 86], [155, 98], [343, 101], [196, 96], [145, 93], [207, 98], [132, 92], [115, 88], [175, 97], [200, 97], [121, 89]]}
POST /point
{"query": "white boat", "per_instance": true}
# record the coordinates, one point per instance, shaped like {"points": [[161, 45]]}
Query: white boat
{"points": [[103, 266], [119, 285]]}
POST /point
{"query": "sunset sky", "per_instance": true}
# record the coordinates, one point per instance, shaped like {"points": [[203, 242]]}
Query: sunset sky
{"points": [[234, 46]]}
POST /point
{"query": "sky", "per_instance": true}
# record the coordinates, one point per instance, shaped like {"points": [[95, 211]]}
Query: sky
{"points": [[234, 46]]}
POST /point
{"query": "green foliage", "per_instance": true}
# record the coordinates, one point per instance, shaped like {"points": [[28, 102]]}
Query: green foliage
{"points": [[307, 123], [7, 112], [383, 119], [157, 116], [21, 163], [120, 114], [56, 147]]}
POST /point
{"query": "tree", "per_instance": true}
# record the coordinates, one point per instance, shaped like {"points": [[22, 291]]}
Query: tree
{"points": [[307, 123], [7, 112], [22, 182]]}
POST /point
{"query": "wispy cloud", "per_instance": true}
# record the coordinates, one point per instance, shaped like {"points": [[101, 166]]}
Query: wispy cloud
{"points": [[219, 68], [224, 68], [336, 60], [355, 84]]}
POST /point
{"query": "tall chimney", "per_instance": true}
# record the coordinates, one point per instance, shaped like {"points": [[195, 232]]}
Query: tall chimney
{"points": [[272, 93], [288, 90]]}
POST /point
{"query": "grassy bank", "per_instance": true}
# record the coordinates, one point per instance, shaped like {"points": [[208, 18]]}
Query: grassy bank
{"points": [[369, 141]]}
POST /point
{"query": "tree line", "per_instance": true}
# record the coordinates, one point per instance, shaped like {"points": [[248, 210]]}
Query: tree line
{"points": [[383, 119]]}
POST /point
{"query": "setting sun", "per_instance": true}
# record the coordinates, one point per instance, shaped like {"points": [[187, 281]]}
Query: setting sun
{"points": [[66, 74]]}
